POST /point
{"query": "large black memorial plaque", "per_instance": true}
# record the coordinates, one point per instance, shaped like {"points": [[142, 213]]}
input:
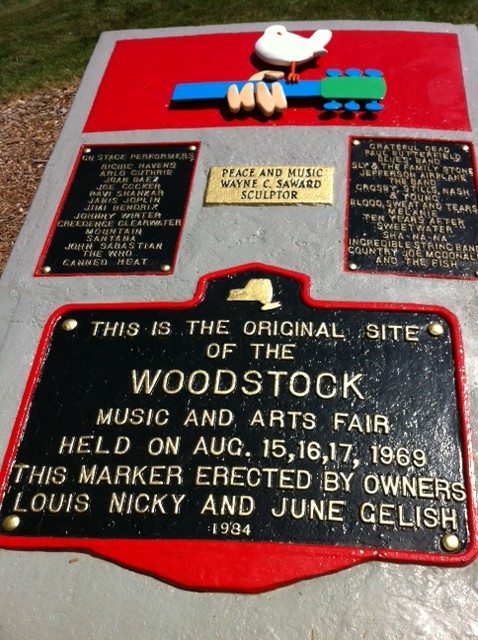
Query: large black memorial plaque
{"points": [[251, 413], [412, 208], [123, 211]]}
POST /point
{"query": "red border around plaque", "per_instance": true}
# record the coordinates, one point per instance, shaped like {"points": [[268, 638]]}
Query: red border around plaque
{"points": [[248, 567], [425, 87]]}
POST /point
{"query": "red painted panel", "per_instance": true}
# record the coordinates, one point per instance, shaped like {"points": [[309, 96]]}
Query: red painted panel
{"points": [[422, 71]]}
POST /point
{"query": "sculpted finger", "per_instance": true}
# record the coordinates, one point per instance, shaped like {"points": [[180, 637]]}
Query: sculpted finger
{"points": [[264, 99], [267, 75], [273, 75], [233, 99], [278, 97], [247, 97], [258, 76]]}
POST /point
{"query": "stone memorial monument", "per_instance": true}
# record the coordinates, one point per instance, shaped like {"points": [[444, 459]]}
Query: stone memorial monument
{"points": [[238, 342]]}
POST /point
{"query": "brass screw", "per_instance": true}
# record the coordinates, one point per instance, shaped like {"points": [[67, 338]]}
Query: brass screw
{"points": [[87, 150], [46, 269], [192, 147], [450, 542], [353, 266], [69, 324], [165, 268], [356, 143], [465, 147], [10, 523], [476, 272], [435, 329]]}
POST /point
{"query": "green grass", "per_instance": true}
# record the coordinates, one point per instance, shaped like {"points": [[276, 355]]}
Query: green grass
{"points": [[49, 42]]}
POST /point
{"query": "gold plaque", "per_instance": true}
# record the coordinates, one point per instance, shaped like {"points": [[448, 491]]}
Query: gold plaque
{"points": [[270, 185]]}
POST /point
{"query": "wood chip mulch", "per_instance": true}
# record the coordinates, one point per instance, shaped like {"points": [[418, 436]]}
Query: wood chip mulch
{"points": [[29, 129]]}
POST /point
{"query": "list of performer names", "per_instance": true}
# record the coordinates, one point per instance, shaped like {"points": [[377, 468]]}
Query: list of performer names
{"points": [[123, 211], [412, 208]]}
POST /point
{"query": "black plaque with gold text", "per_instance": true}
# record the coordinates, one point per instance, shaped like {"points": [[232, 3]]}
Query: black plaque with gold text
{"points": [[412, 208], [123, 211], [251, 414]]}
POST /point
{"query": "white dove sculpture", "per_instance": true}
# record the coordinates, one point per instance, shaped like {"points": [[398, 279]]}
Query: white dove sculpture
{"points": [[279, 47]]}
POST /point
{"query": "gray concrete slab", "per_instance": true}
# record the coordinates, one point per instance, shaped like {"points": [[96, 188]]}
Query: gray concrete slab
{"points": [[72, 595]]}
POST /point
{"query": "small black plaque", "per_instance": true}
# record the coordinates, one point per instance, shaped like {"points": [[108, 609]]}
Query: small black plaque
{"points": [[252, 414], [123, 211], [412, 208]]}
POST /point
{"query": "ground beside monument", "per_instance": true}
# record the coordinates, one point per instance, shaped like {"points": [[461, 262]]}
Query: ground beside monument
{"points": [[29, 128]]}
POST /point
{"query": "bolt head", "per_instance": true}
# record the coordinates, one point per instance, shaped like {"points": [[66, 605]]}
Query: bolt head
{"points": [[69, 324], [11, 522]]}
